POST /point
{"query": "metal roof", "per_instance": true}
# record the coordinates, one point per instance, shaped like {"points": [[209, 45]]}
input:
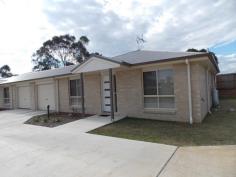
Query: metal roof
{"points": [[130, 58], [144, 56], [2, 80], [40, 74]]}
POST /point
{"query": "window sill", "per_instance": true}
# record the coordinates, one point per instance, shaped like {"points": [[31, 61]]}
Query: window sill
{"points": [[160, 111]]}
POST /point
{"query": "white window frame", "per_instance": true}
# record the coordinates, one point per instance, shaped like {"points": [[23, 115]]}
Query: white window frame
{"points": [[73, 97], [6, 101], [157, 96]]}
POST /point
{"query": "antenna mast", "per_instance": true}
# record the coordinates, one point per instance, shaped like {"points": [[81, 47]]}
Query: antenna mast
{"points": [[140, 42]]}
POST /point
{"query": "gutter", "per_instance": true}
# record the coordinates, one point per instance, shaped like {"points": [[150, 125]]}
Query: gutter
{"points": [[189, 92]]}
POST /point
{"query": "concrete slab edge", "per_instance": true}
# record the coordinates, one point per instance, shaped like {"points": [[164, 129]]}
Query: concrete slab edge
{"points": [[164, 166]]}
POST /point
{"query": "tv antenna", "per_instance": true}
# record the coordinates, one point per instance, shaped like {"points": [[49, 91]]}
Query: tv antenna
{"points": [[140, 41]]}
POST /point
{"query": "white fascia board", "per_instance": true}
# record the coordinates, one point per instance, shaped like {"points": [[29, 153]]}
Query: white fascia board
{"points": [[95, 64]]}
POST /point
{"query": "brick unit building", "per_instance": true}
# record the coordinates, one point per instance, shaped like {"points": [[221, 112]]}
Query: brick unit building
{"points": [[173, 86]]}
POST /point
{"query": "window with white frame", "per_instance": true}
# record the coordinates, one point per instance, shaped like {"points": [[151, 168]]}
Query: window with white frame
{"points": [[75, 92], [6, 95], [159, 89]]}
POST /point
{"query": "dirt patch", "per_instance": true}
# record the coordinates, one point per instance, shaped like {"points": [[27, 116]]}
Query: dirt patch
{"points": [[55, 119]]}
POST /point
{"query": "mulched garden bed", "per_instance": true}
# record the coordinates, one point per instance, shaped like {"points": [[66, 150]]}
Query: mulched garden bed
{"points": [[55, 119], [3, 109]]}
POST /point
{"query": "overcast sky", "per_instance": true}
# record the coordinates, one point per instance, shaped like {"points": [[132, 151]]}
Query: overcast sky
{"points": [[112, 27]]}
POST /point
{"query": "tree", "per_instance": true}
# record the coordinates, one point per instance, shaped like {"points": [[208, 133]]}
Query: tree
{"points": [[204, 50], [60, 51], [96, 53], [5, 71], [196, 50]]}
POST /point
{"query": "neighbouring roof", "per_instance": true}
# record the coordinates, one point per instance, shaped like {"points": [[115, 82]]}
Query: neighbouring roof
{"points": [[227, 74], [130, 58], [40, 74]]}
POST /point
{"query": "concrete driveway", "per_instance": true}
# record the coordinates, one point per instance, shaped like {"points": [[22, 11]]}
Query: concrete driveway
{"points": [[67, 151], [203, 161]]}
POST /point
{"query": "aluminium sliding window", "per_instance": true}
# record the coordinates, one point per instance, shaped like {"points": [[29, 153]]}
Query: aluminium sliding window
{"points": [[75, 87], [159, 89], [75, 92], [6, 95]]}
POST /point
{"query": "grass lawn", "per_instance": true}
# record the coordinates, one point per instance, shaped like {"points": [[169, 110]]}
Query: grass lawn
{"points": [[218, 128]]}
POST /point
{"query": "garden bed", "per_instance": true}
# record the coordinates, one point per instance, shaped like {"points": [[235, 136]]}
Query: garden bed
{"points": [[3, 109], [55, 119]]}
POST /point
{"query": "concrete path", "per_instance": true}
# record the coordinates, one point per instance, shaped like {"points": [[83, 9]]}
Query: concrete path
{"points": [[90, 123], [204, 161], [67, 151]]}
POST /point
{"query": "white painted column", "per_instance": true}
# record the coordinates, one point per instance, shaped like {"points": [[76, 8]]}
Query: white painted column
{"points": [[56, 84]]}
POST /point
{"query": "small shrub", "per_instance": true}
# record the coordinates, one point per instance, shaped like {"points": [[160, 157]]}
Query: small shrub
{"points": [[36, 119], [56, 120], [45, 120]]}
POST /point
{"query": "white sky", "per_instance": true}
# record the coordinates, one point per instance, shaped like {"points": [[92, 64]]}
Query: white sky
{"points": [[112, 26], [23, 29]]}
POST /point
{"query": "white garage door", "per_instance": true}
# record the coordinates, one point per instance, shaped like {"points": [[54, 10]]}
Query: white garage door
{"points": [[46, 96], [24, 97]]}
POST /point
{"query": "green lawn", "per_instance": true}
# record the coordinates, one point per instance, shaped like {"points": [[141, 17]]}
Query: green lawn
{"points": [[217, 129]]}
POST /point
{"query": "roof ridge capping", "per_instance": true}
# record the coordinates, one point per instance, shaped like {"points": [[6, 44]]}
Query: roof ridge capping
{"points": [[161, 51]]}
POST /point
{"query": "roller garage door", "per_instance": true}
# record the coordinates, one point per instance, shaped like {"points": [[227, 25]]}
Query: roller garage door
{"points": [[24, 100], [46, 96]]}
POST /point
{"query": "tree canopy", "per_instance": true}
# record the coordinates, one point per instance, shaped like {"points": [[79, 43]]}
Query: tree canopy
{"points": [[5, 71], [196, 50], [60, 51], [203, 50]]}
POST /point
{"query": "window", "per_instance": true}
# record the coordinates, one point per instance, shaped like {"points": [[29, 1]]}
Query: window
{"points": [[6, 95], [75, 92], [159, 89], [75, 88]]}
